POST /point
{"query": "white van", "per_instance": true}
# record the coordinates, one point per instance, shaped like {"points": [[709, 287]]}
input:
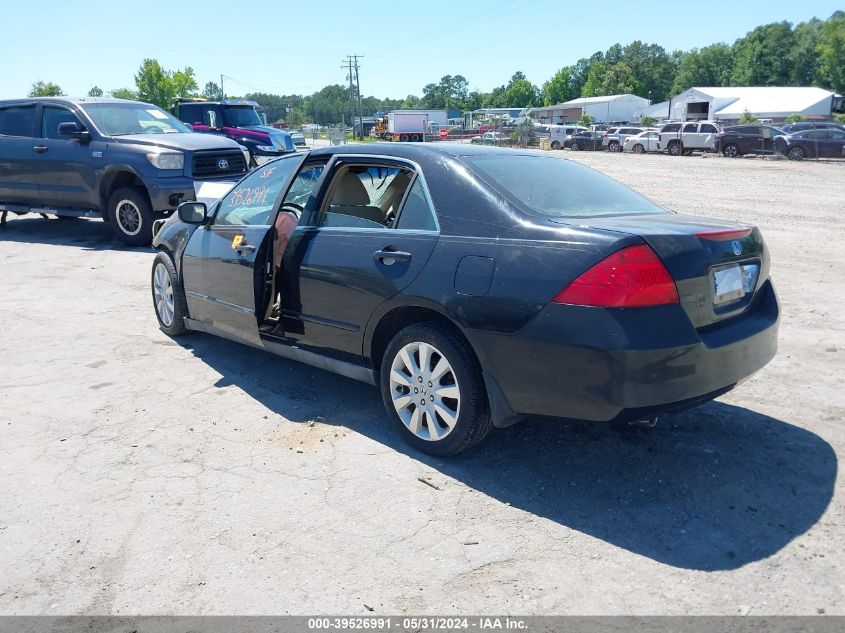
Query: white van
{"points": [[560, 134]]}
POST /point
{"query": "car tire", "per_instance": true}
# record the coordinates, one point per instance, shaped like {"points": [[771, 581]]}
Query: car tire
{"points": [[555, 145], [168, 296], [638, 148], [613, 146], [675, 148], [403, 138], [131, 217], [575, 147], [730, 151], [461, 419], [796, 153]]}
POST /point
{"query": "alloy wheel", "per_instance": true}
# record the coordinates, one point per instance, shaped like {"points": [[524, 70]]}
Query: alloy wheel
{"points": [[796, 153], [163, 293], [425, 391], [128, 217]]}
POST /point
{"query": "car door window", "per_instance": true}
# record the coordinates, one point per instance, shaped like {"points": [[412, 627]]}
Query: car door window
{"points": [[17, 120], [417, 213], [364, 196], [691, 128], [672, 127], [52, 117], [251, 201], [707, 128], [304, 184]]}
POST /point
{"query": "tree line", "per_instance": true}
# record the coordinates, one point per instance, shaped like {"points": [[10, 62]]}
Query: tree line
{"points": [[810, 53]]}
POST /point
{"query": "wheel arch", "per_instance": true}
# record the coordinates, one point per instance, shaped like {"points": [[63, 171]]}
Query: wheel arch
{"points": [[394, 319], [117, 179]]}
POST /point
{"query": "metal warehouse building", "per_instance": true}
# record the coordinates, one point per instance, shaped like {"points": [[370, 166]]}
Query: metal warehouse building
{"points": [[601, 109], [729, 104]]}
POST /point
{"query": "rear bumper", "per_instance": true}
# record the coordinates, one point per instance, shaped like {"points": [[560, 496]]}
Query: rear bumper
{"points": [[599, 364]]}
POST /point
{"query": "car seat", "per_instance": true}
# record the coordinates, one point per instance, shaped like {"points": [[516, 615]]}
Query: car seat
{"points": [[351, 198]]}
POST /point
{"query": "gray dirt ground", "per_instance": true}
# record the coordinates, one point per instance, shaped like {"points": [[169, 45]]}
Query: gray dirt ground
{"points": [[142, 475]]}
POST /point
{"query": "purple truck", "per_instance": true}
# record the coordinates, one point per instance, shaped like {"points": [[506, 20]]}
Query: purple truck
{"points": [[239, 120]]}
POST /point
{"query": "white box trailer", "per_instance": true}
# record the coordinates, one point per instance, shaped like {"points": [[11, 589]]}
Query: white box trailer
{"points": [[413, 125]]}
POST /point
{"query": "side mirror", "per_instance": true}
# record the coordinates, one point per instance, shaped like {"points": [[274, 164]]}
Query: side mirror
{"points": [[192, 212], [74, 131]]}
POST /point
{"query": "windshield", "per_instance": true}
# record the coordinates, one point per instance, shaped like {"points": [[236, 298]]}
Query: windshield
{"points": [[242, 116], [120, 119], [555, 187]]}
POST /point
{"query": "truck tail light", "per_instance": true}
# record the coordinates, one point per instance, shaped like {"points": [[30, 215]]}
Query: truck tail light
{"points": [[633, 277]]}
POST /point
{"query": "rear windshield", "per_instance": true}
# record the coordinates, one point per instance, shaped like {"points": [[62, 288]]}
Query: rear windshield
{"points": [[555, 187]]}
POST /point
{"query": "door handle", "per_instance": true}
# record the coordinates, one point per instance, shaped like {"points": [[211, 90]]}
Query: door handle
{"points": [[245, 248], [40, 148], [388, 256]]}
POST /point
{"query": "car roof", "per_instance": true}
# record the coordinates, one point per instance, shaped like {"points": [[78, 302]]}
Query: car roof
{"points": [[416, 151], [74, 100]]}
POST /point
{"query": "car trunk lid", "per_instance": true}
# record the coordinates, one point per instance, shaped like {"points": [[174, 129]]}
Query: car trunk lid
{"points": [[717, 265]]}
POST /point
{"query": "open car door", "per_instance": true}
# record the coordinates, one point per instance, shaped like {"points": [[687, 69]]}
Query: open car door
{"points": [[227, 261]]}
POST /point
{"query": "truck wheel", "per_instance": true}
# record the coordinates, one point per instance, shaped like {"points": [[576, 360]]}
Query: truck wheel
{"points": [[131, 216], [168, 297], [403, 138], [555, 144], [675, 148], [433, 391]]}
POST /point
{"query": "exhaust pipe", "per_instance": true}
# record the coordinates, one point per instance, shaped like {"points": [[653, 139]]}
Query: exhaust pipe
{"points": [[650, 423]]}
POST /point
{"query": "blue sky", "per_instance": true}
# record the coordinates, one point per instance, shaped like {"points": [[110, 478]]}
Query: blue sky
{"points": [[406, 44]]}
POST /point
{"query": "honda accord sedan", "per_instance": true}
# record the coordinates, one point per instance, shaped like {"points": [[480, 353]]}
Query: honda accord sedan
{"points": [[475, 286]]}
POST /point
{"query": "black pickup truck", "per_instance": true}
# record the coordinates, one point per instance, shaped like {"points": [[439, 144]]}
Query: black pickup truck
{"points": [[125, 161]]}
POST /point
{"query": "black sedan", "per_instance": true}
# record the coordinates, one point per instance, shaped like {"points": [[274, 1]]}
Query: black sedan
{"points": [[475, 285], [826, 143], [586, 141]]}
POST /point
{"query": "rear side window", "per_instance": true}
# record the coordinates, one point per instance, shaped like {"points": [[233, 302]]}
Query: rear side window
{"points": [[706, 128], [558, 188], [52, 117], [17, 120], [672, 127], [190, 114], [612, 130], [691, 127], [417, 213]]}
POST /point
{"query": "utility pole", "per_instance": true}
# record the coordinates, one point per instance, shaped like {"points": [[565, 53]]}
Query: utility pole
{"points": [[351, 66], [221, 86]]}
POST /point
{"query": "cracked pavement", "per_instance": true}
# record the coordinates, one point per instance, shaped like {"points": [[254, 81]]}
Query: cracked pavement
{"points": [[141, 475]]}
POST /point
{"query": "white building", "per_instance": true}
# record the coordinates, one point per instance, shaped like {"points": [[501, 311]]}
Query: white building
{"points": [[601, 109], [729, 104]]}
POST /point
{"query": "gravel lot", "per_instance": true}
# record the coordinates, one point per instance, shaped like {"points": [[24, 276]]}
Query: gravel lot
{"points": [[139, 475]]}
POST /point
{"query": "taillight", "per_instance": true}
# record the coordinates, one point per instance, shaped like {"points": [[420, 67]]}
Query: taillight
{"points": [[633, 277]]}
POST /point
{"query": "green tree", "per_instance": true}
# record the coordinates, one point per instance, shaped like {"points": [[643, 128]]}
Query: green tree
{"points": [[831, 52], [95, 92], [586, 120], [747, 117], [558, 89], [520, 92], [450, 93], [652, 69], [595, 79], [124, 93], [761, 58], [794, 118], [710, 66], [212, 91], [49, 89], [803, 58], [159, 86], [647, 121], [411, 102]]}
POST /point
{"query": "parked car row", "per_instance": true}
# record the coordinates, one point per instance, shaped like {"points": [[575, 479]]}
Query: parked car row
{"points": [[796, 142]]}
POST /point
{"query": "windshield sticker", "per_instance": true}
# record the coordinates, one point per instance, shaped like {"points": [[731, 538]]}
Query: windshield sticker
{"points": [[268, 171], [161, 116], [249, 197]]}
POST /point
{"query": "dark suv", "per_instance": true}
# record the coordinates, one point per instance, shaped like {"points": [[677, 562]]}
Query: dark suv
{"points": [[125, 161], [736, 140], [239, 120]]}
